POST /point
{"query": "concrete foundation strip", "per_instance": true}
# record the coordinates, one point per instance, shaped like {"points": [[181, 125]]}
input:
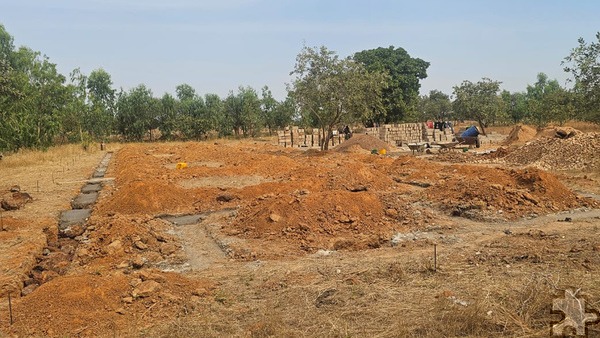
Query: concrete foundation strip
{"points": [[72, 222]]}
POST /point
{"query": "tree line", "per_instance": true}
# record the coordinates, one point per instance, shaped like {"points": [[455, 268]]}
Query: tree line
{"points": [[541, 103], [40, 107]]}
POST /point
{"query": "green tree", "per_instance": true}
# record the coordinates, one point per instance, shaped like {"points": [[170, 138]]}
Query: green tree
{"points": [[244, 111], [99, 119], [185, 92], [268, 108], [35, 115], [7, 46], [478, 101], [215, 111], [285, 112], [72, 118], [584, 63], [167, 116], [559, 105], [436, 106], [401, 93], [331, 91], [193, 118], [537, 99], [515, 105], [137, 113]]}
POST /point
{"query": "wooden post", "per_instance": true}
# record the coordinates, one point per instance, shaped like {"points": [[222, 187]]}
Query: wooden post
{"points": [[10, 308], [434, 257]]}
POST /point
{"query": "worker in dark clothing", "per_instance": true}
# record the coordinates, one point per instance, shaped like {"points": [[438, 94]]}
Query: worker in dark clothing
{"points": [[347, 132]]}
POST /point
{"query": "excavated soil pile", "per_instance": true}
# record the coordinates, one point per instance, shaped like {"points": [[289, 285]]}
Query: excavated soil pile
{"points": [[519, 135], [297, 202], [128, 242], [102, 304], [316, 220], [487, 193], [366, 142], [580, 151], [335, 203], [140, 188]]}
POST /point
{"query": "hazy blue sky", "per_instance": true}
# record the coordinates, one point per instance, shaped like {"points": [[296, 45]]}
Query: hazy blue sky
{"points": [[218, 45]]}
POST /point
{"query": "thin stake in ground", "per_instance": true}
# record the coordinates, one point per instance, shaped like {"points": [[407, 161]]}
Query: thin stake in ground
{"points": [[10, 308], [434, 257]]}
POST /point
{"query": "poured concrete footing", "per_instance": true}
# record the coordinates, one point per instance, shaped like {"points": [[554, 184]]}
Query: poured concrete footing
{"points": [[72, 222], [91, 188], [84, 201]]}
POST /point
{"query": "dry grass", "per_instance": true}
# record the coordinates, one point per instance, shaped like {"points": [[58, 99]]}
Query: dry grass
{"points": [[585, 127], [387, 296], [503, 130], [60, 154]]}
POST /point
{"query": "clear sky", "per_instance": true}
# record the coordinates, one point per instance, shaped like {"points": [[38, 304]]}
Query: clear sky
{"points": [[218, 45]]}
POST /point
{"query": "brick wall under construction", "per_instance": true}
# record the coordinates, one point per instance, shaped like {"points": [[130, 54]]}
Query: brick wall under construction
{"points": [[298, 137], [403, 133]]}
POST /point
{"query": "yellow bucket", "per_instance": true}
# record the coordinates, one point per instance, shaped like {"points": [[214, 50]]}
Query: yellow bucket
{"points": [[382, 151], [181, 165]]}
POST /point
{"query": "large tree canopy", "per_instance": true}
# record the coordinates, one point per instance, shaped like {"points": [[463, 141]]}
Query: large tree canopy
{"points": [[584, 64], [404, 73], [331, 91], [478, 101]]}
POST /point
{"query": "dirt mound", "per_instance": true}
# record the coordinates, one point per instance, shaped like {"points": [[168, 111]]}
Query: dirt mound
{"points": [[314, 220], [91, 305], [364, 141], [557, 132], [579, 151], [519, 135], [149, 196], [487, 193], [124, 241]]}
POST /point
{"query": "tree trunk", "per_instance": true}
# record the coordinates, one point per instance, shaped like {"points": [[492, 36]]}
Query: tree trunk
{"points": [[481, 126], [324, 139]]}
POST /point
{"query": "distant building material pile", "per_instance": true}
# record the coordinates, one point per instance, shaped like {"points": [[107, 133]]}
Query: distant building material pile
{"points": [[577, 152]]}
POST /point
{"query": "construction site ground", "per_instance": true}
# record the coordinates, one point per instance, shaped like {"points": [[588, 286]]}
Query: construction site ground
{"points": [[255, 240]]}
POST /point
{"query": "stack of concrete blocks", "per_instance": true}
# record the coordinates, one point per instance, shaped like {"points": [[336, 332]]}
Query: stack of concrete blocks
{"points": [[438, 136], [284, 137], [399, 134]]}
